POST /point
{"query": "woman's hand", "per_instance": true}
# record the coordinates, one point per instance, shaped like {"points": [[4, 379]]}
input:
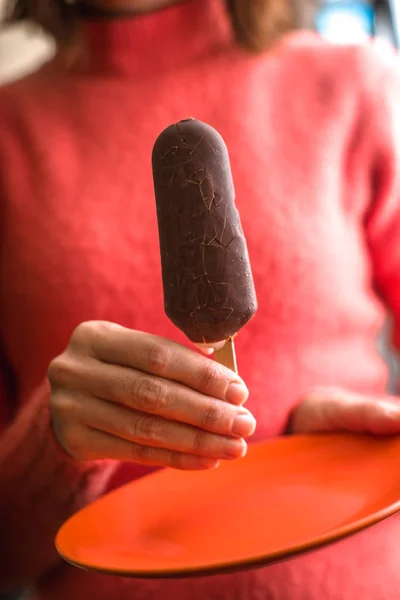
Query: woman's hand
{"points": [[332, 409], [132, 396]]}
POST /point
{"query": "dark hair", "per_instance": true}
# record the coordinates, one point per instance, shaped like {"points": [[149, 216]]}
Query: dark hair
{"points": [[256, 23]]}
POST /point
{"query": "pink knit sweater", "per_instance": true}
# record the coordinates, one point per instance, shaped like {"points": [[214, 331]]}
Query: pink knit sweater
{"points": [[313, 133]]}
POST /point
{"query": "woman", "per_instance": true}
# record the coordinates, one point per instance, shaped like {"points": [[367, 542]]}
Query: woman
{"points": [[313, 137]]}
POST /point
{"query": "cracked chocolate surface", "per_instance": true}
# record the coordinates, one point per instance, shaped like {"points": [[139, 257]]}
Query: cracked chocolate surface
{"points": [[208, 285]]}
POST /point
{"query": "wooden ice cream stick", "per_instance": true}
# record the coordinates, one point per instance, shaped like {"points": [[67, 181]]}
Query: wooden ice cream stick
{"points": [[226, 355]]}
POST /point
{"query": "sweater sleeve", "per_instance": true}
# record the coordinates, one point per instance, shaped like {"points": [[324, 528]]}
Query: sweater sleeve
{"points": [[381, 115], [40, 487]]}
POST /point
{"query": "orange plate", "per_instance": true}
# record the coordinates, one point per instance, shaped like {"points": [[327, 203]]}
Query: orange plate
{"points": [[286, 496]]}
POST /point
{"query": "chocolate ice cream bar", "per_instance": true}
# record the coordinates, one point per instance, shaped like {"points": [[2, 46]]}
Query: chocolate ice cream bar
{"points": [[208, 285]]}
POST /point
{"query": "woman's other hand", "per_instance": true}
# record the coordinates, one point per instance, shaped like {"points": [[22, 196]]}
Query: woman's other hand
{"points": [[331, 409]]}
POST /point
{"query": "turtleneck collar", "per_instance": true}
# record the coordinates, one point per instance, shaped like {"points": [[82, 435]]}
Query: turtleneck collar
{"points": [[158, 41]]}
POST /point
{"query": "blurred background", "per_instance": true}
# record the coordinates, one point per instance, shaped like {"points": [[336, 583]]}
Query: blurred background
{"points": [[21, 50]]}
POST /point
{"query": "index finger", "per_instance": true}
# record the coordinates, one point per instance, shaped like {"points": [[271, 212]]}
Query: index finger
{"points": [[114, 344]]}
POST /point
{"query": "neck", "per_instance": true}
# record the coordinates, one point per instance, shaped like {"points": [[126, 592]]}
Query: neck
{"points": [[144, 44], [116, 8]]}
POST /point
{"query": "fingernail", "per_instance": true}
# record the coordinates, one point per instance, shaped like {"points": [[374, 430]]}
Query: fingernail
{"points": [[209, 463], [390, 409], [209, 349], [205, 349], [236, 393], [244, 425], [235, 448]]}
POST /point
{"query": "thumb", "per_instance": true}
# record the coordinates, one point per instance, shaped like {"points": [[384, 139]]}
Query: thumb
{"points": [[334, 409]]}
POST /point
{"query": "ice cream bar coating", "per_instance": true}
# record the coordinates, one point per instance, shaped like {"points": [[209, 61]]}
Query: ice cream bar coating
{"points": [[208, 285]]}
